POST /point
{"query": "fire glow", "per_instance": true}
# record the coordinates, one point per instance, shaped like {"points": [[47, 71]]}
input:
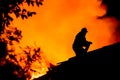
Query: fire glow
{"points": [[58, 21]]}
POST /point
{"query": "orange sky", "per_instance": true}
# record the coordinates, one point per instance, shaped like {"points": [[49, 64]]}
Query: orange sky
{"points": [[58, 21]]}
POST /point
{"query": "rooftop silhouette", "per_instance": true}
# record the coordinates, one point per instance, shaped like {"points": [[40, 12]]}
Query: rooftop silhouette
{"points": [[101, 63]]}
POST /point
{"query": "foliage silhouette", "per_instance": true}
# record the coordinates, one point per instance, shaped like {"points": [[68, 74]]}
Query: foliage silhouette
{"points": [[10, 71], [10, 66], [8, 7], [10, 34], [28, 56]]}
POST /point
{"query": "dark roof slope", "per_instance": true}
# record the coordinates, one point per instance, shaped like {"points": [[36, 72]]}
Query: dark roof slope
{"points": [[102, 63]]}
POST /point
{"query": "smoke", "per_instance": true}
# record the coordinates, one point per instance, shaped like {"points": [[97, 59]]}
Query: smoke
{"points": [[57, 22], [113, 11]]}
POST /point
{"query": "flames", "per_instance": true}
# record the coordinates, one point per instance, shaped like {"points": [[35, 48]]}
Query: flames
{"points": [[30, 59], [57, 22], [54, 28], [28, 62]]}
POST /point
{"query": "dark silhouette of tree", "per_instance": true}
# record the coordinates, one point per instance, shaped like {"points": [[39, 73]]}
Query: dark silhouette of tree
{"points": [[8, 7], [30, 55], [9, 34], [10, 71], [10, 67]]}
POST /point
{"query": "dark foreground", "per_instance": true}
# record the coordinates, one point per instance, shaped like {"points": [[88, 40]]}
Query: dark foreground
{"points": [[101, 64]]}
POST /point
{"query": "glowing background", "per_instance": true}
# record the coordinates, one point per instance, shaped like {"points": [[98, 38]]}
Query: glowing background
{"points": [[58, 21]]}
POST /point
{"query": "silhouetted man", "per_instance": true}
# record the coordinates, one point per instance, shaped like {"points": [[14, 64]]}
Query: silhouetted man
{"points": [[81, 45]]}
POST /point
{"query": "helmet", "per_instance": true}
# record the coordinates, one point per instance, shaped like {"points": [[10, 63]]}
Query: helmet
{"points": [[84, 29]]}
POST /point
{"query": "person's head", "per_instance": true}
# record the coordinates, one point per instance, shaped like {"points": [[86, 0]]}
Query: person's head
{"points": [[84, 30]]}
